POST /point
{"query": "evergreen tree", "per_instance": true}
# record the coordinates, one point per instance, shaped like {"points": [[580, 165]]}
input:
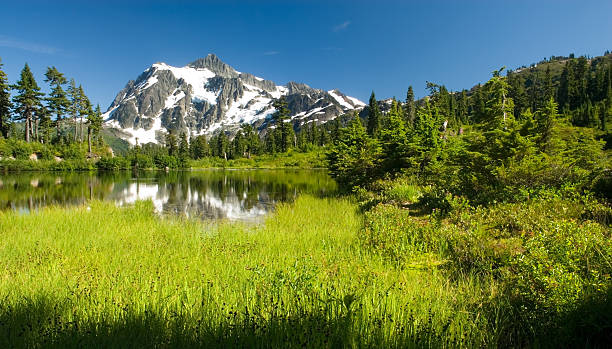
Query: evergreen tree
{"points": [[94, 124], [423, 142], [199, 147], [374, 116], [282, 113], [183, 147], [251, 140], [393, 139], [270, 142], [27, 100], [409, 107], [171, 144], [478, 105], [222, 145], [354, 158], [5, 104], [499, 106], [84, 109], [57, 101], [43, 115], [74, 104], [546, 118]]}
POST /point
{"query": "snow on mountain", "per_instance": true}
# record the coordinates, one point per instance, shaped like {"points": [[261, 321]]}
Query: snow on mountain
{"points": [[208, 96]]}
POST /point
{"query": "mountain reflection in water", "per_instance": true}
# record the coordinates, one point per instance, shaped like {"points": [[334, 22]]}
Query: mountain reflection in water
{"points": [[243, 195]]}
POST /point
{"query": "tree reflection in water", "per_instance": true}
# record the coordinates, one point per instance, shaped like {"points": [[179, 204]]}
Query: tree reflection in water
{"points": [[244, 195]]}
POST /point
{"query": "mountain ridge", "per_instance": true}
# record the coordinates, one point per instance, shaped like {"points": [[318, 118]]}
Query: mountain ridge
{"points": [[208, 96]]}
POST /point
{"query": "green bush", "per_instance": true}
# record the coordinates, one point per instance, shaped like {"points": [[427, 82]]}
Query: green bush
{"points": [[112, 164], [74, 151], [22, 150]]}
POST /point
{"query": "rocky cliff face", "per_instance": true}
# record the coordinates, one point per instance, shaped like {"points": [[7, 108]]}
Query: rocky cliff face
{"points": [[208, 96]]}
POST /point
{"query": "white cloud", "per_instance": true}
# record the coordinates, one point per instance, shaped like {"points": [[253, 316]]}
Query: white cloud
{"points": [[342, 26], [6, 41], [271, 53]]}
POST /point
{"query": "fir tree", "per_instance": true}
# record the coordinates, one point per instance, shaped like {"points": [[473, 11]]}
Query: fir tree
{"points": [[57, 101], [27, 100], [199, 147], [94, 125], [282, 114], [546, 118], [171, 144], [393, 138], [43, 116], [74, 104], [5, 104], [84, 107], [499, 106], [374, 116], [354, 159], [183, 146], [409, 107]]}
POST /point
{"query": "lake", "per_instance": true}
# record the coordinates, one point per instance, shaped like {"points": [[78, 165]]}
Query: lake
{"points": [[239, 195]]}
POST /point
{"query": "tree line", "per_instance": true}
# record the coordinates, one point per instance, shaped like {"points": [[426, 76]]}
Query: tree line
{"points": [[499, 141], [59, 118]]}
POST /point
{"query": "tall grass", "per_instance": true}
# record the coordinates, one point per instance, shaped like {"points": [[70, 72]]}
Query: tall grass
{"points": [[107, 276]]}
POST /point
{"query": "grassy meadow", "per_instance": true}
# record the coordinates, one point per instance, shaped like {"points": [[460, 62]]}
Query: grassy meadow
{"points": [[318, 273]]}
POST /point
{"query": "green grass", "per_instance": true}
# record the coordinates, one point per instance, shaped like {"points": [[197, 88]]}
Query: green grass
{"points": [[291, 159], [318, 273], [108, 276]]}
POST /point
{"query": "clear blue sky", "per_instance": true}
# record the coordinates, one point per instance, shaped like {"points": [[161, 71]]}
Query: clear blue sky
{"points": [[353, 45]]}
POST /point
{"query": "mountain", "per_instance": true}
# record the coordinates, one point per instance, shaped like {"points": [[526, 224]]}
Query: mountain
{"points": [[208, 96]]}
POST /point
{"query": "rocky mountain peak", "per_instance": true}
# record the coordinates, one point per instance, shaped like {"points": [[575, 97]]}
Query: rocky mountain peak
{"points": [[216, 65], [208, 96]]}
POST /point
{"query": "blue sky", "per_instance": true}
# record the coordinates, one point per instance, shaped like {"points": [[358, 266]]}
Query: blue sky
{"points": [[355, 46]]}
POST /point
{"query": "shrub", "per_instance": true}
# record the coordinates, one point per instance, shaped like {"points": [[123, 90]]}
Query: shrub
{"points": [[111, 164]]}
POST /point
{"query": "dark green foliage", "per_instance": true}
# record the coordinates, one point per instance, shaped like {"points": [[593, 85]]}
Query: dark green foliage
{"points": [[409, 109], [285, 139], [57, 100], [199, 147], [354, 158], [5, 104], [374, 116], [27, 100]]}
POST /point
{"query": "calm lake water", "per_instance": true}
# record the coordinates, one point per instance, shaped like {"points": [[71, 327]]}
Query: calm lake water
{"points": [[243, 195]]}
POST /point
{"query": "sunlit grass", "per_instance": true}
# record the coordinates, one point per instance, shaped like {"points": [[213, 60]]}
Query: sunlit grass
{"points": [[110, 276]]}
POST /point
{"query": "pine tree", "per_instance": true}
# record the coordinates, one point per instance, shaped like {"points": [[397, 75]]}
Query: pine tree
{"points": [[393, 138], [409, 107], [43, 115], [354, 158], [478, 105], [57, 101], [171, 144], [5, 104], [84, 105], [27, 100], [94, 124], [199, 147], [183, 147], [546, 119], [282, 114], [499, 106], [374, 116], [222, 145], [74, 104]]}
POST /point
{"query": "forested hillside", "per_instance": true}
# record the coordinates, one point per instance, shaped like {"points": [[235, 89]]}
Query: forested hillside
{"points": [[507, 186]]}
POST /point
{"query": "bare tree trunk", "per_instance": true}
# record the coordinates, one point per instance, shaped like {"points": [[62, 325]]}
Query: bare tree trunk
{"points": [[27, 127]]}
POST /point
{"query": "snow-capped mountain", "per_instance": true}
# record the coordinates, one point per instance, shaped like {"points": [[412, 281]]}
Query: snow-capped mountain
{"points": [[209, 96]]}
